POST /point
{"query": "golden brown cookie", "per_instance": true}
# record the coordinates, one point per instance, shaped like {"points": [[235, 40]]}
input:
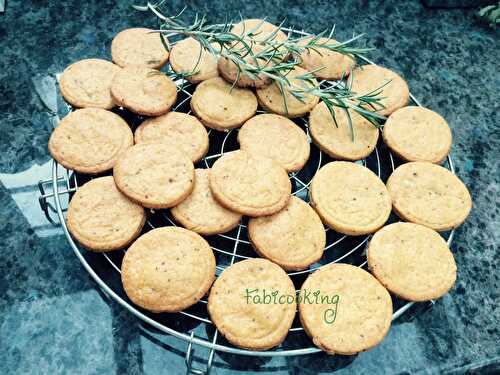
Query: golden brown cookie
{"points": [[428, 194], [90, 140], [418, 134], [412, 261], [275, 137], [201, 213], [156, 175], [139, 47], [260, 30], [356, 320], [293, 238], [249, 184], [271, 99], [337, 141], [350, 198], [220, 106], [87, 83], [144, 91], [252, 303], [101, 218], [334, 65], [187, 56], [183, 130], [168, 269], [395, 94]]}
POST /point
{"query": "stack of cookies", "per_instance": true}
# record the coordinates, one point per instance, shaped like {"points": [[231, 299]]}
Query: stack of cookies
{"points": [[170, 268]]}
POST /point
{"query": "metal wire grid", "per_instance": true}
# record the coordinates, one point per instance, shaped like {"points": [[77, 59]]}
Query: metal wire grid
{"points": [[232, 246]]}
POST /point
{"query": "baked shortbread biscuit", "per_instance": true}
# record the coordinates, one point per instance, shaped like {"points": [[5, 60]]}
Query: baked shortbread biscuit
{"points": [[90, 140], [418, 134], [139, 47], [87, 83], [101, 218], [187, 56], [242, 319], [144, 91], [181, 129], [156, 175], [293, 238], [168, 269], [412, 261], [428, 194], [249, 184], [201, 213], [276, 137], [356, 320], [350, 198]]}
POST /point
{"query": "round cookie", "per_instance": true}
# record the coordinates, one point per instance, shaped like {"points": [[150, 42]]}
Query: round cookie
{"points": [[101, 218], [261, 31], [249, 184], [418, 134], [90, 140], [201, 213], [293, 238], [395, 94], [350, 198], [334, 65], [412, 261], [338, 142], [183, 130], [156, 175], [168, 269], [275, 137], [144, 91], [139, 47], [271, 99], [357, 320], [187, 56], [87, 83], [428, 194], [238, 308], [220, 106]]}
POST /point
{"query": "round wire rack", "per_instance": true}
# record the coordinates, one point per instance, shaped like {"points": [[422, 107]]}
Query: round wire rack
{"points": [[194, 325]]}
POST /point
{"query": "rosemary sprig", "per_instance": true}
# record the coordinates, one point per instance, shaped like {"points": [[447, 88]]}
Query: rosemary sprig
{"points": [[275, 59]]}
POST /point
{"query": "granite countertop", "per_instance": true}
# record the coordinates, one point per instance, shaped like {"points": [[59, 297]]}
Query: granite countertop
{"points": [[54, 319]]}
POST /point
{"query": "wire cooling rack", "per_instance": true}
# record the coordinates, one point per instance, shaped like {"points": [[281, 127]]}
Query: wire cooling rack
{"points": [[194, 325]]}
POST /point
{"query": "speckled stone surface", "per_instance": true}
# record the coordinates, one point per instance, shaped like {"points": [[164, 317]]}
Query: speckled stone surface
{"points": [[53, 318]]}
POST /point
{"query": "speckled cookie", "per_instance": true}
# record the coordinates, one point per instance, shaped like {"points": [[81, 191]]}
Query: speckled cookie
{"points": [[144, 91], [394, 95], [87, 83], [187, 56], [249, 184], [201, 213], [220, 106], [139, 47], [101, 218], [242, 318], [261, 30], [293, 238], [90, 140], [184, 131], [275, 137], [271, 99], [412, 261], [156, 175], [350, 198], [338, 142], [334, 65], [418, 134], [428, 194], [361, 316], [168, 269]]}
